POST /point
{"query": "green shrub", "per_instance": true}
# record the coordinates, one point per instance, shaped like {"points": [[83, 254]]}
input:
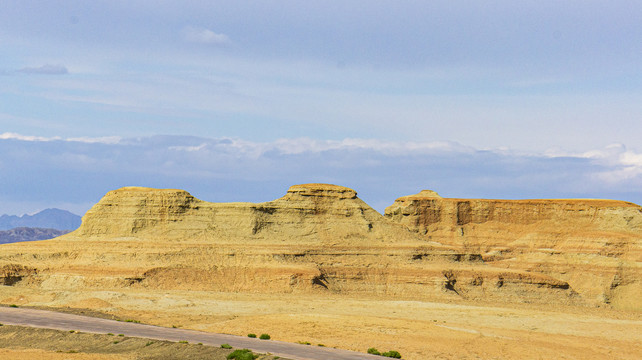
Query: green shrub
{"points": [[121, 334], [251, 335], [304, 342], [13, 305], [373, 351], [392, 354], [320, 345], [242, 354], [264, 337], [183, 342], [110, 334], [226, 346], [149, 343]]}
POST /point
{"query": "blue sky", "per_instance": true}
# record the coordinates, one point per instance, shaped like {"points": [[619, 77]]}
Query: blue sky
{"points": [[473, 98]]}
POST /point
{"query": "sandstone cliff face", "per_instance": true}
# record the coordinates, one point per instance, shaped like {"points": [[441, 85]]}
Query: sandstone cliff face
{"points": [[322, 238], [310, 214], [595, 245]]}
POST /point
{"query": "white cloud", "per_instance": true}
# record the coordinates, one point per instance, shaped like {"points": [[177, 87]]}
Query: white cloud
{"points": [[621, 164], [14, 136], [89, 140], [47, 69], [204, 36]]}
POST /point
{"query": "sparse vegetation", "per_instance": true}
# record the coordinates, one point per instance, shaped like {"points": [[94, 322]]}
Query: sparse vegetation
{"points": [[251, 335], [149, 343], [320, 345], [242, 354], [116, 341], [121, 334], [132, 321], [183, 342], [226, 346], [392, 354], [110, 334], [304, 342], [264, 337], [13, 305]]}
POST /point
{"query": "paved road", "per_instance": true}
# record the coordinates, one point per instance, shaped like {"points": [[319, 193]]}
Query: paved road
{"points": [[62, 321]]}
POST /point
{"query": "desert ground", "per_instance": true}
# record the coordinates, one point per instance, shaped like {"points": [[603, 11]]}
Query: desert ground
{"points": [[418, 330]]}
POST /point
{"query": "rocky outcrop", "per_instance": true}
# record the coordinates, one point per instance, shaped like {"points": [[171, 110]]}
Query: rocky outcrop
{"points": [[308, 214], [586, 242], [322, 238]]}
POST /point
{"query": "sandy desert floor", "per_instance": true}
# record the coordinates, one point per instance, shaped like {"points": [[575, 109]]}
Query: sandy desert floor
{"points": [[418, 330]]}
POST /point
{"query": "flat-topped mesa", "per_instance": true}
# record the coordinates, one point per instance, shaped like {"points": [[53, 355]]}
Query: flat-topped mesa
{"points": [[428, 211], [594, 245]]}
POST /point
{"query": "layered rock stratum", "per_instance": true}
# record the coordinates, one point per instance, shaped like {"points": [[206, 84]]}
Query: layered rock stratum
{"points": [[594, 245], [317, 237], [139, 247]]}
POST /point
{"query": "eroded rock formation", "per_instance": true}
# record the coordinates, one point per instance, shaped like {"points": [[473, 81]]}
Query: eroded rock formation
{"points": [[323, 238], [595, 245]]}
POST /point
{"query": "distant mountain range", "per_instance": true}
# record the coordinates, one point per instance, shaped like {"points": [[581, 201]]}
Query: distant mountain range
{"points": [[29, 234], [46, 219]]}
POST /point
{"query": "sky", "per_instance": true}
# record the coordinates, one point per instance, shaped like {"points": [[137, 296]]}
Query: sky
{"points": [[236, 101]]}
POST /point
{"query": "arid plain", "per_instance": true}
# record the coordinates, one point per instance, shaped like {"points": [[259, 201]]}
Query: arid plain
{"points": [[432, 278]]}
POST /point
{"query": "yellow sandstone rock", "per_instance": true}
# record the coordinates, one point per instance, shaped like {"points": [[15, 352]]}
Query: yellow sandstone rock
{"points": [[594, 245]]}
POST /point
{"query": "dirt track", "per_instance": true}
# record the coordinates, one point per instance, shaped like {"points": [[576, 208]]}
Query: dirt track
{"points": [[61, 321]]}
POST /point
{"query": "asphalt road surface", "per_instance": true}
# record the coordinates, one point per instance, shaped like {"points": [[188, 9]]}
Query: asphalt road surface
{"points": [[62, 321]]}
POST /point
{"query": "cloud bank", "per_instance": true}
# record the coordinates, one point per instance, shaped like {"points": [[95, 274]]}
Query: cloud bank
{"points": [[77, 172]]}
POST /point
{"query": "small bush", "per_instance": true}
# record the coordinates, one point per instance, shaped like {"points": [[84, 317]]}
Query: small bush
{"points": [[251, 335], [132, 321], [392, 354], [183, 342], [242, 354], [13, 305], [320, 345], [72, 331], [1, 324], [304, 342], [264, 337], [226, 346], [121, 334], [373, 351], [149, 343], [116, 342], [110, 334]]}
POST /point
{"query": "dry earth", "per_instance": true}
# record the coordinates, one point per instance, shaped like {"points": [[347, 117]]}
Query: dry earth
{"points": [[434, 278], [17, 342]]}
